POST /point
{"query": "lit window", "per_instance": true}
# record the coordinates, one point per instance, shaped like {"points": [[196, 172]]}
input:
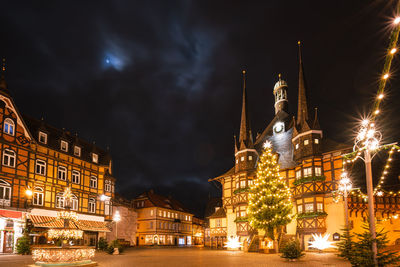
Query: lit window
{"points": [[160, 213], [9, 126], [298, 174], [60, 201], [307, 172], [297, 146], [242, 214], [318, 171], [250, 182], [250, 157], [300, 209], [93, 182], [169, 214], [151, 212], [8, 158], [74, 203], [243, 184], [95, 158], [306, 142], [64, 146], [77, 151], [237, 161], [316, 141], [320, 207], [185, 217], [40, 167], [165, 213], [76, 177], [242, 159], [107, 208], [62, 173], [92, 205], [5, 192], [108, 185], [43, 137], [309, 207], [38, 196]]}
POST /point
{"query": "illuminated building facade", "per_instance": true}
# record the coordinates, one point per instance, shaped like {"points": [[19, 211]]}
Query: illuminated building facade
{"points": [[312, 165], [162, 221], [38, 162]]}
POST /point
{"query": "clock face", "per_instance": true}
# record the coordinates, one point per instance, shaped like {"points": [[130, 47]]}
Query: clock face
{"points": [[278, 127]]}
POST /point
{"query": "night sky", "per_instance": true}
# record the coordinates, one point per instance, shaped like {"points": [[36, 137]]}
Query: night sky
{"points": [[159, 82]]}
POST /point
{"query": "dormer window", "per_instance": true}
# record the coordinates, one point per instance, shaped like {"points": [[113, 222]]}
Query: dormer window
{"points": [[42, 137], [316, 141], [250, 157], [64, 146], [306, 142], [9, 126], [77, 151], [297, 146], [95, 158], [242, 159]]}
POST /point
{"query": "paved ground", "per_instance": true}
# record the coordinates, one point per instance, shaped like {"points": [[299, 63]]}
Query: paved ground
{"points": [[184, 257]]}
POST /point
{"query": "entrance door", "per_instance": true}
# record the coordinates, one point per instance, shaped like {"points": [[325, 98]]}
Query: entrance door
{"points": [[8, 242]]}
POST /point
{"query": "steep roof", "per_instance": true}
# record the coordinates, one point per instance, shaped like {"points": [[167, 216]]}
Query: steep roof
{"points": [[220, 213], [55, 135], [245, 137], [162, 202]]}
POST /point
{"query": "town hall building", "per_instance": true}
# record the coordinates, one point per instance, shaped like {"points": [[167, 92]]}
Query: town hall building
{"points": [[312, 166]]}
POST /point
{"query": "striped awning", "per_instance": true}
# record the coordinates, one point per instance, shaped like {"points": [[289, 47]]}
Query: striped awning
{"points": [[54, 222]]}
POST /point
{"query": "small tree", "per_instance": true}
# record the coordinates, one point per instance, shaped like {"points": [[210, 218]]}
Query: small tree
{"points": [[270, 204], [292, 250], [361, 253], [345, 246], [23, 246], [102, 243]]}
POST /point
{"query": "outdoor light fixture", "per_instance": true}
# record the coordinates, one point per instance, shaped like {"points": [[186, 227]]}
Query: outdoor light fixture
{"points": [[233, 243], [321, 242], [28, 192], [393, 50], [396, 20]]}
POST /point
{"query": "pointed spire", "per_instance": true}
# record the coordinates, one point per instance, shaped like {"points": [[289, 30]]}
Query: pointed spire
{"points": [[316, 125], [245, 139], [236, 148], [302, 110]]}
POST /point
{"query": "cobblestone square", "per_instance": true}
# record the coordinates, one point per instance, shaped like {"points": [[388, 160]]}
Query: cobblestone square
{"points": [[187, 257]]}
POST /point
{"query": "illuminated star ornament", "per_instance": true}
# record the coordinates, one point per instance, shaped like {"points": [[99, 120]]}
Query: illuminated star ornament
{"points": [[233, 243], [267, 144], [321, 242]]}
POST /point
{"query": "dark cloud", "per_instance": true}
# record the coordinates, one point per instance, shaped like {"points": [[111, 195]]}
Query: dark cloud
{"points": [[160, 81]]}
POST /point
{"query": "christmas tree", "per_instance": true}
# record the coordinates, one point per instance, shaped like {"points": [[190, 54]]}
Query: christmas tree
{"points": [[270, 204]]}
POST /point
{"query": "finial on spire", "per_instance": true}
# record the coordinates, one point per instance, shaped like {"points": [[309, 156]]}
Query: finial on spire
{"points": [[244, 79], [299, 42], [3, 65], [279, 76]]}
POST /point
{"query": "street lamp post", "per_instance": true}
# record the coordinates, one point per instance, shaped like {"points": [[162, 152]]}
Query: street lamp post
{"points": [[367, 141], [116, 219], [345, 186]]}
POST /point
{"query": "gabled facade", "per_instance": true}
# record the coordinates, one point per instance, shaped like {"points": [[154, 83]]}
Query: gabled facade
{"points": [[310, 163], [162, 221], [38, 162]]}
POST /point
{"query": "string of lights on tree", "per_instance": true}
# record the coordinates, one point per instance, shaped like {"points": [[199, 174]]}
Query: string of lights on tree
{"points": [[270, 202], [367, 132]]}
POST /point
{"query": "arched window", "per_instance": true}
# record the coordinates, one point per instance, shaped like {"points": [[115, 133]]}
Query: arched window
{"points": [[9, 126], [60, 201], [76, 177], [38, 196], [9, 158], [92, 205], [93, 182], [62, 173], [74, 203], [5, 193]]}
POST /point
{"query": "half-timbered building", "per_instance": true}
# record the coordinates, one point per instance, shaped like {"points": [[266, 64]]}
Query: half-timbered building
{"points": [[311, 164], [38, 162]]}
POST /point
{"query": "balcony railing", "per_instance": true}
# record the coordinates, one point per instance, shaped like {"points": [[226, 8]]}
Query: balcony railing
{"points": [[309, 179]]}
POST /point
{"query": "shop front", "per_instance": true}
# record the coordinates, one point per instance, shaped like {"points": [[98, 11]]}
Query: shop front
{"points": [[11, 227], [94, 227]]}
